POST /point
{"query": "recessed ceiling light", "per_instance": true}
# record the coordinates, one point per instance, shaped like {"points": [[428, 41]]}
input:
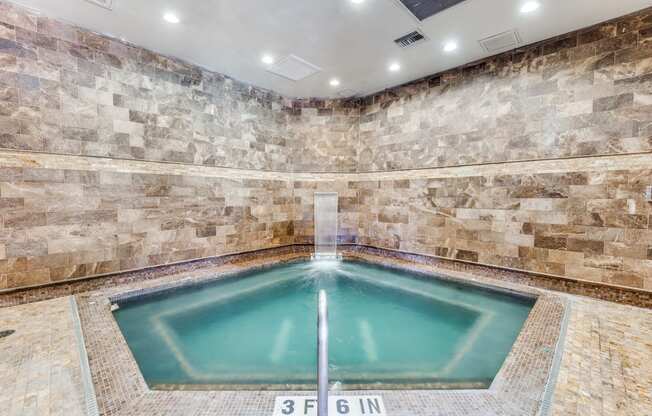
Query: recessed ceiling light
{"points": [[450, 46], [267, 59], [171, 18], [357, 1], [335, 82], [395, 67], [530, 6]]}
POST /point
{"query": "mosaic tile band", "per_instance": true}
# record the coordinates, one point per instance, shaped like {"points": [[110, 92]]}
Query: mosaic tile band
{"points": [[614, 294]]}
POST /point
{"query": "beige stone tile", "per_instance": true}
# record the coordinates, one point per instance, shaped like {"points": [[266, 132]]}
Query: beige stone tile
{"points": [[606, 367], [42, 359]]}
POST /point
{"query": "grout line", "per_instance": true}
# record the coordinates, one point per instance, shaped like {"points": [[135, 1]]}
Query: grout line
{"points": [[87, 379]]}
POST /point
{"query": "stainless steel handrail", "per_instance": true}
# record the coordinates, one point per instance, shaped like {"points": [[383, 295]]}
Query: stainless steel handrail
{"points": [[322, 355]]}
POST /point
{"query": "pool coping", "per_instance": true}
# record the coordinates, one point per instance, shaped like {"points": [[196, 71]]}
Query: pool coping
{"points": [[521, 386]]}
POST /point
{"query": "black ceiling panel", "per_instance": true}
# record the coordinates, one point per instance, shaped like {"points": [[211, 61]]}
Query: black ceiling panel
{"points": [[423, 9]]}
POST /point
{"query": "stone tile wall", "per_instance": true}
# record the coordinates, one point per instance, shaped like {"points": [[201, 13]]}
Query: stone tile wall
{"points": [[577, 218], [96, 118], [324, 135], [66, 90], [583, 94], [588, 221], [69, 91], [67, 217], [587, 94]]}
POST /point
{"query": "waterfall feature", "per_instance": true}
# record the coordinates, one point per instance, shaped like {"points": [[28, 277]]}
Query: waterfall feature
{"points": [[325, 225]]}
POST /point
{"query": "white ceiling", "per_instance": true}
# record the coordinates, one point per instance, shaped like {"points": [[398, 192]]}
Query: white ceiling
{"points": [[352, 42]]}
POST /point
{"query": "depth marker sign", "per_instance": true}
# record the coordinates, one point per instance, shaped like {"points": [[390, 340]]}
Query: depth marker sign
{"points": [[337, 406]]}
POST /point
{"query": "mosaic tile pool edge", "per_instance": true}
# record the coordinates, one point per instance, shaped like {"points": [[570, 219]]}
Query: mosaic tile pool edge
{"points": [[639, 298]]}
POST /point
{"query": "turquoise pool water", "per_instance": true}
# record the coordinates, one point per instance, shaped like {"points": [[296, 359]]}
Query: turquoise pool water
{"points": [[388, 328]]}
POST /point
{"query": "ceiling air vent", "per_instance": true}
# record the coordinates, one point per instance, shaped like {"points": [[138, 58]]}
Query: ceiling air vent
{"points": [[294, 68], [423, 9], [501, 42], [107, 4], [411, 39]]}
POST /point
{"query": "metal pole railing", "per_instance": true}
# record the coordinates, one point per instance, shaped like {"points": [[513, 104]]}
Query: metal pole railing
{"points": [[322, 355]]}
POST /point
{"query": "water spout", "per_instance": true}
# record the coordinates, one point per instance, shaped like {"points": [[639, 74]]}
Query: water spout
{"points": [[326, 225]]}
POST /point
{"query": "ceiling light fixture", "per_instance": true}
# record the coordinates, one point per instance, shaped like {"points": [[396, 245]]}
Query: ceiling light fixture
{"points": [[335, 82], [357, 1], [395, 67], [450, 46], [268, 59], [530, 6], [171, 18]]}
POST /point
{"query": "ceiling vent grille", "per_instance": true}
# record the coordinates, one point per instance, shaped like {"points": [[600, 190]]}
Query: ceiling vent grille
{"points": [[501, 42], [423, 9], [411, 39], [106, 4], [294, 68]]}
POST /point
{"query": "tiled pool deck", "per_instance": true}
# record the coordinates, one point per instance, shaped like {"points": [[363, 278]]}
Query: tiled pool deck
{"points": [[39, 364], [605, 369]]}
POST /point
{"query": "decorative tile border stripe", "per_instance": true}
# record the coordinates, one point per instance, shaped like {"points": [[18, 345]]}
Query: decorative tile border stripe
{"points": [[518, 388], [87, 379], [46, 160]]}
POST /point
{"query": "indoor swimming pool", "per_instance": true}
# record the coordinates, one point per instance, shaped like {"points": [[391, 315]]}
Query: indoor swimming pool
{"points": [[389, 329]]}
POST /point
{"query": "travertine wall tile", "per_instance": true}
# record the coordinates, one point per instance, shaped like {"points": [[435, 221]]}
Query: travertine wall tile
{"points": [[59, 224], [524, 221], [582, 94], [547, 222], [324, 135], [66, 90], [114, 111]]}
